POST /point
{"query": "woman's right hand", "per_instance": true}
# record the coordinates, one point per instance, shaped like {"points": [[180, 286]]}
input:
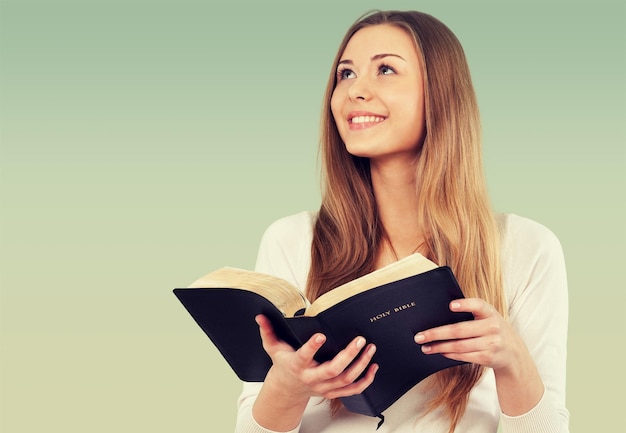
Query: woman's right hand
{"points": [[295, 376]]}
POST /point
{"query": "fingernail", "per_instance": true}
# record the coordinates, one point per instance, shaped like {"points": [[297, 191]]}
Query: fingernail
{"points": [[426, 348], [419, 338], [371, 350], [455, 305], [360, 342], [319, 339]]}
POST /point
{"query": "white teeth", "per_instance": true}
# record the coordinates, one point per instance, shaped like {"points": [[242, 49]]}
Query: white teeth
{"points": [[367, 119]]}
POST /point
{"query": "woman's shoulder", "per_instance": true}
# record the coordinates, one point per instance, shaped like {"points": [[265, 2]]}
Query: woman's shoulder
{"points": [[521, 232], [292, 225], [530, 253], [285, 249]]}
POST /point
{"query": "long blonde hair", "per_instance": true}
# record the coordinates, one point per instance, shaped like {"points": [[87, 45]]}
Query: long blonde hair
{"points": [[454, 207]]}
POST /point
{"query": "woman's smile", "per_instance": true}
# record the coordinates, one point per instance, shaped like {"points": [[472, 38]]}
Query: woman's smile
{"points": [[362, 120]]}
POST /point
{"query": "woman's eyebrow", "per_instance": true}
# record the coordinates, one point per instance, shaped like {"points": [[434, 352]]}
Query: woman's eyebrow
{"points": [[383, 55], [373, 58]]}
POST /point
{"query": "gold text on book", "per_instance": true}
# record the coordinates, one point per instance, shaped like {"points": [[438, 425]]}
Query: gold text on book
{"points": [[394, 310]]}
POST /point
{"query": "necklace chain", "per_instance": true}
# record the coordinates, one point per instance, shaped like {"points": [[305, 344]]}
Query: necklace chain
{"points": [[393, 250]]}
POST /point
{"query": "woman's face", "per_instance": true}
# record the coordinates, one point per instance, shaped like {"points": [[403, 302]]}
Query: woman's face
{"points": [[378, 103]]}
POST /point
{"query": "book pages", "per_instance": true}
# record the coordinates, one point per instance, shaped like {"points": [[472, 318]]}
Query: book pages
{"points": [[404, 268]]}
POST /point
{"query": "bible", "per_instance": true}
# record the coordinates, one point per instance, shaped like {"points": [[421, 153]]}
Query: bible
{"points": [[387, 306]]}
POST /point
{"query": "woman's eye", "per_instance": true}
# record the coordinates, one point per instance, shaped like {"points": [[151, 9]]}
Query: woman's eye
{"points": [[345, 74], [386, 70]]}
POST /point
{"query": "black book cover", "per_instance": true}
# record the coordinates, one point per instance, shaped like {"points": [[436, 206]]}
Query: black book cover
{"points": [[388, 316]]}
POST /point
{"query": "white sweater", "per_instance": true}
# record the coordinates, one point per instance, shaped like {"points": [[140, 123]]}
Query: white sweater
{"points": [[536, 291]]}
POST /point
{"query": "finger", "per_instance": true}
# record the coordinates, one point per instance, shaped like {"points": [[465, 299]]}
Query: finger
{"points": [[466, 329], [354, 370], [336, 366], [478, 307], [467, 345], [488, 352], [265, 330], [471, 357], [355, 387], [270, 341], [484, 358], [308, 350], [344, 358]]}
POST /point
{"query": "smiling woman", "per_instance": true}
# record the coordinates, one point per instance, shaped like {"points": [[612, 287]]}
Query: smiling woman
{"points": [[403, 174], [144, 143], [378, 102]]}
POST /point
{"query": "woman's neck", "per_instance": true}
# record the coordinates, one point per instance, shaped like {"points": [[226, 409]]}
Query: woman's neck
{"points": [[394, 187]]}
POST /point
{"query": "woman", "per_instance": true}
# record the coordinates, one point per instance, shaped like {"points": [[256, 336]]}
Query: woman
{"points": [[403, 174]]}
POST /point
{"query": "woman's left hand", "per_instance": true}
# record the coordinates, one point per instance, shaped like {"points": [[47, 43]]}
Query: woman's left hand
{"points": [[488, 340]]}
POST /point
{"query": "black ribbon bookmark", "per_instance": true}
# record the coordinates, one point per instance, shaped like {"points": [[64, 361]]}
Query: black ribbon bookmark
{"points": [[382, 420]]}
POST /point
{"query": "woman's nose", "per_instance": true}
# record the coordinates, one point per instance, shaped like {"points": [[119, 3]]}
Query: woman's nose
{"points": [[360, 89]]}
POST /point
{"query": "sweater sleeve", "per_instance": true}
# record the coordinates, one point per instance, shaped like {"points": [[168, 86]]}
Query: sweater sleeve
{"points": [[536, 287], [284, 252]]}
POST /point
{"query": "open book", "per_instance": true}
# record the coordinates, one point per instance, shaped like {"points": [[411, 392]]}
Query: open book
{"points": [[387, 307]]}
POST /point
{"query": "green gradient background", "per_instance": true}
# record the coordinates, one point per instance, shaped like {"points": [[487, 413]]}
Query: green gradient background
{"points": [[145, 143]]}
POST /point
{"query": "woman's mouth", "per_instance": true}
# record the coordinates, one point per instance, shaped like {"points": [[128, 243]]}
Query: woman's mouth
{"points": [[364, 121]]}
